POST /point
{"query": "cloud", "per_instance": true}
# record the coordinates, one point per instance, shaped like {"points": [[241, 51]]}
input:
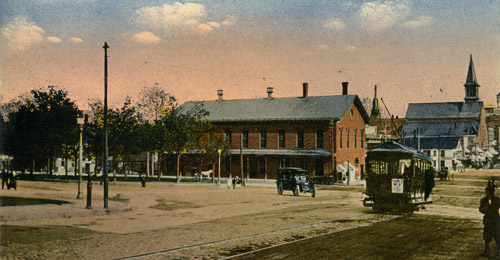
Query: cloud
{"points": [[214, 24], [146, 37], [20, 33], [335, 24], [380, 15], [230, 20], [351, 48], [167, 15], [75, 39], [53, 39], [421, 21], [190, 17]]}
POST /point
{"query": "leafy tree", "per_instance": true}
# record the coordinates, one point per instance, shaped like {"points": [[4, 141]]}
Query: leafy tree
{"points": [[42, 127], [180, 130], [154, 102], [124, 138]]}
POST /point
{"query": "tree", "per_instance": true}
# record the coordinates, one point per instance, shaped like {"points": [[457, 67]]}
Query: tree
{"points": [[124, 138], [154, 102], [42, 127], [180, 130]]}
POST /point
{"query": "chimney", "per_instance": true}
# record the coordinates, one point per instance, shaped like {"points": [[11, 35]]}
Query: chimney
{"points": [[305, 88], [269, 92], [219, 93], [344, 88]]}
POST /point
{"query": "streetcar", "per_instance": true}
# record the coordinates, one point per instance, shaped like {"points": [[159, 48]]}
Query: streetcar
{"points": [[397, 177]]}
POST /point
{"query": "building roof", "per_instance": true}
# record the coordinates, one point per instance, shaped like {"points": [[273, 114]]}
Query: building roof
{"points": [[444, 110], [279, 109], [433, 142], [282, 152], [471, 75], [394, 147], [441, 128]]}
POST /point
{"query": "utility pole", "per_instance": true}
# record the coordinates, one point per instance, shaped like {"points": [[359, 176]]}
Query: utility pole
{"points": [[105, 164]]}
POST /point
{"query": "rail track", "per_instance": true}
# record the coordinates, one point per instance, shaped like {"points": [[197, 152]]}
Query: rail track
{"points": [[223, 241]]}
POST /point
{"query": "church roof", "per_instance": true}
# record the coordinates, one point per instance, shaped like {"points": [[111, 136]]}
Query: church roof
{"points": [[444, 110], [471, 74], [441, 128], [433, 142], [376, 105], [279, 109]]}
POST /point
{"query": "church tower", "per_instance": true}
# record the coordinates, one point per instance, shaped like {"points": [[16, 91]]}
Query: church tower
{"points": [[471, 86], [375, 113]]}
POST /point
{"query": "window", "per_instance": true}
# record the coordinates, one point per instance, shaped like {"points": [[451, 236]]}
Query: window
{"points": [[262, 165], [303, 163], [281, 139], [442, 153], [355, 137], [442, 164], [300, 139], [319, 139], [434, 153], [284, 162], [244, 139], [245, 164], [347, 138], [340, 138], [319, 166], [263, 138], [228, 164], [227, 136], [361, 138]]}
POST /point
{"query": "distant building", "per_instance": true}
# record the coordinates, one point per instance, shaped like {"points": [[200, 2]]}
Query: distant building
{"points": [[382, 129], [452, 133], [323, 134], [493, 126]]}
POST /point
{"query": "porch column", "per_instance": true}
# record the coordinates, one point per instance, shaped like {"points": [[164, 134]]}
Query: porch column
{"points": [[248, 167], [265, 168]]}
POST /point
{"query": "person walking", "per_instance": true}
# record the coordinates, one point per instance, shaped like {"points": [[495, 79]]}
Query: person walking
{"points": [[4, 179], [490, 207]]}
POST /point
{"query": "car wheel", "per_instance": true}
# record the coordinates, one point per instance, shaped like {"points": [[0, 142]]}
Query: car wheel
{"points": [[280, 188], [313, 192], [296, 191]]}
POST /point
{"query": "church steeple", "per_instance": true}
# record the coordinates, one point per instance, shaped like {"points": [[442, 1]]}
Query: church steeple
{"points": [[375, 113], [471, 86]]}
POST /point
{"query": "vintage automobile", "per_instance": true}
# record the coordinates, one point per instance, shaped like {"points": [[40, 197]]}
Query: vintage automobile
{"points": [[296, 180]]}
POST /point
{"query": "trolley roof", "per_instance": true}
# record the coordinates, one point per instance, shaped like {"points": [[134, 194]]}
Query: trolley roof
{"points": [[394, 147]]}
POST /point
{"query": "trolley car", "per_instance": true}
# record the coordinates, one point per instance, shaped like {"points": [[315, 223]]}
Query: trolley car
{"points": [[395, 179]]}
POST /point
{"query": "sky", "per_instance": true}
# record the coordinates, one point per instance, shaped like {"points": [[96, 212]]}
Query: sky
{"points": [[414, 51]]}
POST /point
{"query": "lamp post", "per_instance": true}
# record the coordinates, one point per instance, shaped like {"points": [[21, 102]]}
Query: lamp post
{"points": [[105, 163], [80, 121], [89, 190], [219, 151]]}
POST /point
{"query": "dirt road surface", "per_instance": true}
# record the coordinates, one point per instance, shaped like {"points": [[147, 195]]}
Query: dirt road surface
{"points": [[206, 221]]}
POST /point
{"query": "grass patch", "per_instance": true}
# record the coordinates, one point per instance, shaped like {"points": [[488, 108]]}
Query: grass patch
{"points": [[18, 201]]}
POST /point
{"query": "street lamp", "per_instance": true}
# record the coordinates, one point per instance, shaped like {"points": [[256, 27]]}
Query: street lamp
{"points": [[105, 163], [80, 121], [219, 151]]}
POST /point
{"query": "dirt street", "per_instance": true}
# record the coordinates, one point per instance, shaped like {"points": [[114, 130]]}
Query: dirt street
{"points": [[204, 221]]}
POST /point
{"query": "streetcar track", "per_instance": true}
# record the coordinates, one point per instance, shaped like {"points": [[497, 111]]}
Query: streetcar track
{"points": [[222, 241], [306, 238]]}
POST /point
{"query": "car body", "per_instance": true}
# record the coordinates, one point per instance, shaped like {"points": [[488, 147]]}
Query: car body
{"points": [[295, 180]]}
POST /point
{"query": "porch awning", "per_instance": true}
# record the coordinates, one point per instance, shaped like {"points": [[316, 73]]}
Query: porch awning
{"points": [[281, 152]]}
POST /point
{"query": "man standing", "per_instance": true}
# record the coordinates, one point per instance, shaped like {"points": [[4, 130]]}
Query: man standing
{"points": [[490, 207], [429, 182]]}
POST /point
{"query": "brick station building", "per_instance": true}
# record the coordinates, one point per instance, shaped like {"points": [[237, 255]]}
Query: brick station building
{"points": [[322, 134]]}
